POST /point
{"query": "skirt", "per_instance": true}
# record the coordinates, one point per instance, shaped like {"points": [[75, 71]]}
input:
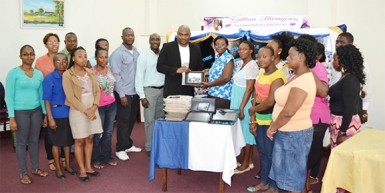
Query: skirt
{"points": [[62, 136], [81, 125], [289, 159], [336, 121]]}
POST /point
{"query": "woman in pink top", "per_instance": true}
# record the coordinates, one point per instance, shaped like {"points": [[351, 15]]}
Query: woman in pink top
{"points": [[45, 65], [291, 128], [107, 110], [320, 116]]}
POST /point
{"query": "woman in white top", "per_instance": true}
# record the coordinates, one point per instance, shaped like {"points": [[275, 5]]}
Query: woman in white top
{"points": [[244, 80]]}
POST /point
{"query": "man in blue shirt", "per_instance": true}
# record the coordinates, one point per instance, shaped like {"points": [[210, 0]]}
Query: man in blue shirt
{"points": [[123, 62], [149, 86]]}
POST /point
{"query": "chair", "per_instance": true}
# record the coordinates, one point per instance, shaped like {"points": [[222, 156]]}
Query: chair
{"points": [[4, 117]]}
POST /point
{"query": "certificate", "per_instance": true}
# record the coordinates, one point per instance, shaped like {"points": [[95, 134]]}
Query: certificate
{"points": [[194, 78]]}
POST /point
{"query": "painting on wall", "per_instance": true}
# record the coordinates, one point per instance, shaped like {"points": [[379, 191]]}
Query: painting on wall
{"points": [[42, 13]]}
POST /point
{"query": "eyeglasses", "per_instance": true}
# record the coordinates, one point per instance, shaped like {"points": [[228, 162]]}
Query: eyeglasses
{"points": [[61, 62], [52, 43]]}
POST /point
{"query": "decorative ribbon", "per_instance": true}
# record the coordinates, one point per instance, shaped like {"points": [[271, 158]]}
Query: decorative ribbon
{"points": [[243, 33]]}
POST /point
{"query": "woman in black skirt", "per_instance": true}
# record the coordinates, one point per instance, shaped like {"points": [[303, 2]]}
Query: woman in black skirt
{"points": [[59, 132]]}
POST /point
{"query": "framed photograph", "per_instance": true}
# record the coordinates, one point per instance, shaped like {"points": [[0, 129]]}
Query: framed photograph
{"points": [[194, 78], [42, 14]]}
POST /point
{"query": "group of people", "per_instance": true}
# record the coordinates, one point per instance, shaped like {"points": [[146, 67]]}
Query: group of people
{"points": [[77, 99], [286, 104], [281, 96]]}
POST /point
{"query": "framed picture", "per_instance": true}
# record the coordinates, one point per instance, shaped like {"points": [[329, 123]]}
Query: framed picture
{"points": [[42, 14], [194, 78]]}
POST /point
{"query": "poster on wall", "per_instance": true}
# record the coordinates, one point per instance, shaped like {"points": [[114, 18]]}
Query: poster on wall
{"points": [[264, 21], [42, 14]]}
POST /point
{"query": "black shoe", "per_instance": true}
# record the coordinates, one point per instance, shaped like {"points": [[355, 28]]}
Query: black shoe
{"points": [[73, 172], [62, 177], [95, 173], [84, 179]]}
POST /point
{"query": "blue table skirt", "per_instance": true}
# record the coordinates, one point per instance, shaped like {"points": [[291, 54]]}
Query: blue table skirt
{"points": [[169, 146]]}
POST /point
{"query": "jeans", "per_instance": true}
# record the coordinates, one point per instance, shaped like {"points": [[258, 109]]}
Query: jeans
{"points": [[27, 133], [290, 153], [265, 149], [126, 117], [102, 154]]}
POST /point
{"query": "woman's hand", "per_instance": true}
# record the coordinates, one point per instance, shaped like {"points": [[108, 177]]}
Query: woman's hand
{"points": [[341, 139], [45, 121], [52, 123], [205, 85], [241, 114], [12, 124], [270, 134], [90, 113], [253, 129]]}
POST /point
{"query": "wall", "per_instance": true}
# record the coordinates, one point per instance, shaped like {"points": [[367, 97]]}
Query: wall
{"points": [[91, 19]]}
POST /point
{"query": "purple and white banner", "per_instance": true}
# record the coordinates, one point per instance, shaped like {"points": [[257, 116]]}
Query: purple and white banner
{"points": [[263, 21]]}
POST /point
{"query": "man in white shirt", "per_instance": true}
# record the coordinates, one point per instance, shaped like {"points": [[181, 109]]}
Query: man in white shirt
{"points": [[149, 86]]}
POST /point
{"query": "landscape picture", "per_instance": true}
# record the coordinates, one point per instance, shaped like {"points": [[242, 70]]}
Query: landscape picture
{"points": [[43, 13]]}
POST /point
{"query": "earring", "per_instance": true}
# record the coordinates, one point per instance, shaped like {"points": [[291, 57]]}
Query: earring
{"points": [[342, 70]]}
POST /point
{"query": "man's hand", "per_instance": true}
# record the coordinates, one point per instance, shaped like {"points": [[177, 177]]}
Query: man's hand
{"points": [[183, 69], [124, 101], [145, 103]]}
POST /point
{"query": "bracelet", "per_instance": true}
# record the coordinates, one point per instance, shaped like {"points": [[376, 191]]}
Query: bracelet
{"points": [[252, 122], [341, 133], [272, 131]]}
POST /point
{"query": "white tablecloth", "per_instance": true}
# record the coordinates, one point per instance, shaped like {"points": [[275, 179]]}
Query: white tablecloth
{"points": [[214, 148]]}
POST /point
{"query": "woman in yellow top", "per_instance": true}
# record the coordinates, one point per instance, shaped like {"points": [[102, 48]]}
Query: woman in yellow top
{"points": [[269, 80], [82, 96], [291, 128]]}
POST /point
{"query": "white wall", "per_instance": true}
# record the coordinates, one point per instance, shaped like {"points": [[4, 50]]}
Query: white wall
{"points": [[91, 19]]}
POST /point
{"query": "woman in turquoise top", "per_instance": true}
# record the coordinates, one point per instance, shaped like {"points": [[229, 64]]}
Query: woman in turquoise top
{"points": [[243, 85], [220, 74], [25, 106]]}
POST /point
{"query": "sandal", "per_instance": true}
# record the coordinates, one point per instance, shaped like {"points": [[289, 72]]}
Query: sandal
{"points": [[51, 165], [71, 171], [113, 163], [24, 179], [98, 166], [259, 187], [39, 172]]}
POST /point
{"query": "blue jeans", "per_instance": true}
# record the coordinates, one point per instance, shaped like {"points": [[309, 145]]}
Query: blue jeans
{"points": [[107, 116], [265, 149], [290, 153], [27, 133]]}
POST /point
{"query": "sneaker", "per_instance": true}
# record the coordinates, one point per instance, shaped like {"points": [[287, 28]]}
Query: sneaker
{"points": [[122, 155], [133, 149], [313, 180]]}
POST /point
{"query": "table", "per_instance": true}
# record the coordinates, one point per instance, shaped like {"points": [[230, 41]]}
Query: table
{"points": [[358, 164], [196, 146]]}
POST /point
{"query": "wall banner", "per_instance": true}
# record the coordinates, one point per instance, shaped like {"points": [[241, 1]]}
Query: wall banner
{"points": [[263, 21]]}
